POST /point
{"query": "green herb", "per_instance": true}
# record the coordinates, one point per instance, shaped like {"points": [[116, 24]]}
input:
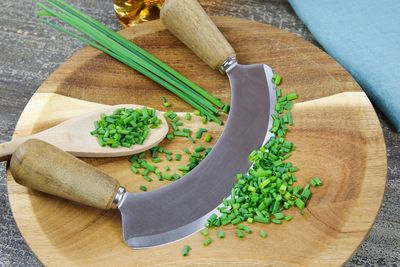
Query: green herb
{"points": [[276, 79], [166, 168], [247, 229], [261, 194], [143, 188], [156, 160], [239, 233], [147, 178], [165, 102], [204, 119], [226, 108], [276, 221], [125, 127], [181, 134], [178, 157], [207, 241], [170, 136], [188, 116], [186, 250], [200, 132], [199, 149], [263, 234], [176, 176], [104, 39], [221, 234], [207, 138], [205, 232], [135, 170]]}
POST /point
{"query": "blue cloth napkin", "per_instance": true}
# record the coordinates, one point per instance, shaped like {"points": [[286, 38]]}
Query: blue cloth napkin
{"points": [[364, 37]]}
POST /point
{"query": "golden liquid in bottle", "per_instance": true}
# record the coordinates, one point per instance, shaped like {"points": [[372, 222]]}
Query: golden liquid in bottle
{"points": [[131, 12]]}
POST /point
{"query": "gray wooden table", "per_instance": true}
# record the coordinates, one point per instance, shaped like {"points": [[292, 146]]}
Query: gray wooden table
{"points": [[29, 52]]}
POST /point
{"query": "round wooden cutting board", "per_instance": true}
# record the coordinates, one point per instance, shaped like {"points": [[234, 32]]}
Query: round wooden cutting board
{"points": [[336, 132]]}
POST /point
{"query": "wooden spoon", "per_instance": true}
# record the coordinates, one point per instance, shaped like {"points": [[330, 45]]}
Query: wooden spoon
{"points": [[74, 136]]}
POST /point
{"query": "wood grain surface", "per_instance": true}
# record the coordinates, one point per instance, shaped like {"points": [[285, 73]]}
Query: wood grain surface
{"points": [[337, 134]]}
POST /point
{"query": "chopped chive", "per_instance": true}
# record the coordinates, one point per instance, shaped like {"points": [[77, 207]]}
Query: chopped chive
{"points": [[239, 233], [166, 168], [226, 108], [134, 170], [147, 178], [200, 132], [261, 219], [166, 176], [197, 113], [207, 138], [288, 217], [207, 241], [174, 126], [247, 229], [178, 157], [186, 250], [276, 221], [236, 220], [221, 234], [156, 160], [204, 119], [279, 216], [199, 149], [181, 134], [205, 232], [276, 79], [291, 96], [188, 116], [165, 102], [176, 176], [263, 234], [143, 188]]}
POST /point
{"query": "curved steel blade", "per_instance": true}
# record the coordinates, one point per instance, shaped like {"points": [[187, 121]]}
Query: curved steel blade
{"points": [[182, 208]]}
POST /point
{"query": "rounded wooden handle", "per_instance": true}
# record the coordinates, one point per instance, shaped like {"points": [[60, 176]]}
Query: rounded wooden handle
{"points": [[43, 167], [188, 21]]}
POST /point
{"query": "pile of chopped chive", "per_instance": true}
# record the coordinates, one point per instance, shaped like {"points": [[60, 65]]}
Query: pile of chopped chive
{"points": [[267, 191], [106, 40], [125, 127]]}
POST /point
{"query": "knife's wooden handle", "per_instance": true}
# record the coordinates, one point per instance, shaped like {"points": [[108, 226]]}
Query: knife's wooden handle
{"points": [[43, 167], [188, 21]]}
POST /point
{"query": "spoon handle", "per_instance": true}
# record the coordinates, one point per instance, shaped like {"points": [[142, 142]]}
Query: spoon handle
{"points": [[46, 168], [8, 148]]}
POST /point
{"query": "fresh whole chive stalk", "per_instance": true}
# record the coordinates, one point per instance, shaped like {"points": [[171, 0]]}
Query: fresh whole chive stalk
{"points": [[118, 47]]}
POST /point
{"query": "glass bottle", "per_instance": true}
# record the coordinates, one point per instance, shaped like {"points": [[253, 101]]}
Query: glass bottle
{"points": [[132, 12]]}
